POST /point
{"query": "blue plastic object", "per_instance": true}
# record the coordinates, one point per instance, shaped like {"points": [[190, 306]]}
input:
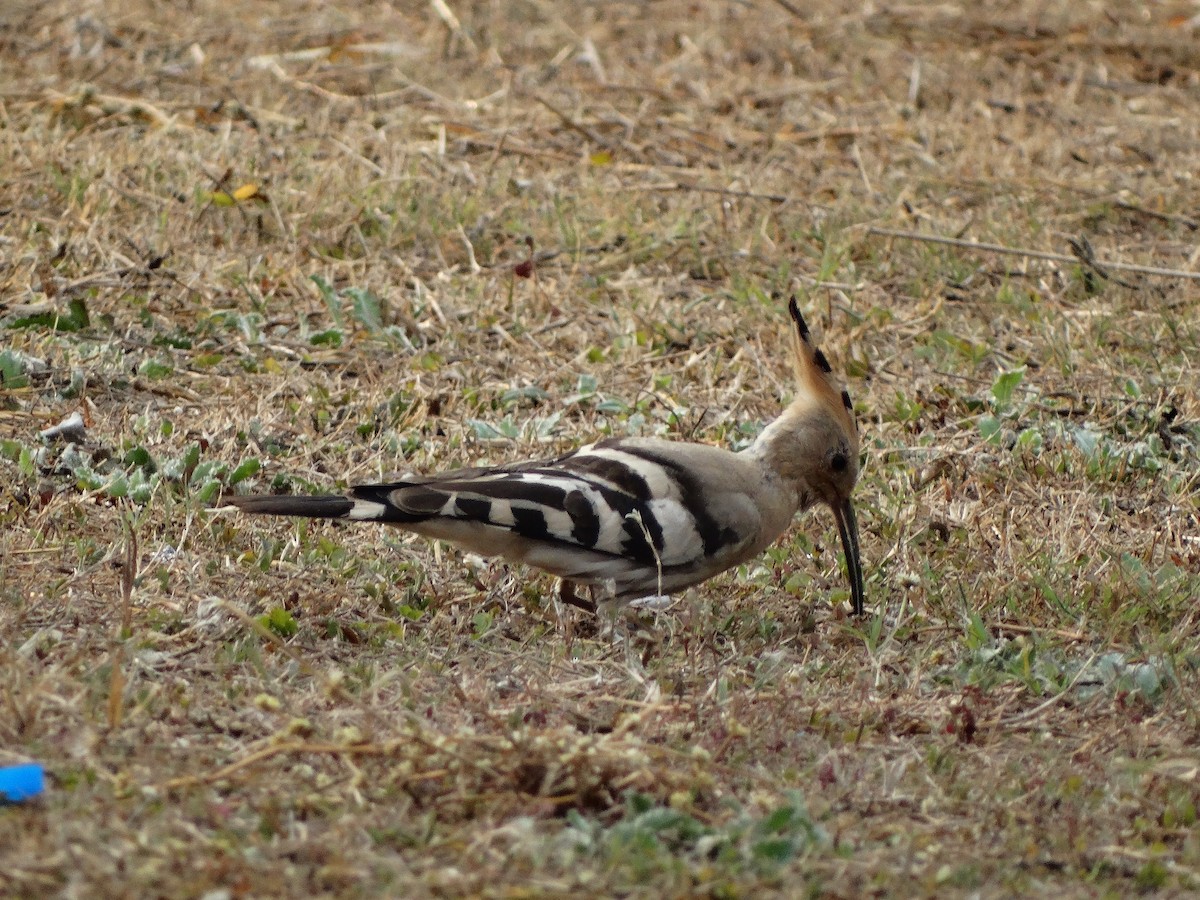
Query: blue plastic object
{"points": [[19, 783]]}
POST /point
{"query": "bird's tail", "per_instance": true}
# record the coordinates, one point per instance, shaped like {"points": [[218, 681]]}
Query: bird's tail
{"points": [[399, 503], [331, 506]]}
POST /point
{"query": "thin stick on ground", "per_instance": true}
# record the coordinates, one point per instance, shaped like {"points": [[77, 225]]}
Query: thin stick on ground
{"points": [[1032, 254]]}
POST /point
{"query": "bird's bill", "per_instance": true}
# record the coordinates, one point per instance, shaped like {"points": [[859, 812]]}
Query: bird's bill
{"points": [[848, 529]]}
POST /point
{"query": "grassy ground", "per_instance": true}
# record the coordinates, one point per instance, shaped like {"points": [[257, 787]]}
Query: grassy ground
{"points": [[280, 246]]}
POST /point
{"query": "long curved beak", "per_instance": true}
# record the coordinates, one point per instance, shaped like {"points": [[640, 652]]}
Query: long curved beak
{"points": [[848, 529]]}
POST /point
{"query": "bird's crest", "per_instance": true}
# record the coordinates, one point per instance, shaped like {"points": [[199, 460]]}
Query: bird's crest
{"points": [[814, 376]]}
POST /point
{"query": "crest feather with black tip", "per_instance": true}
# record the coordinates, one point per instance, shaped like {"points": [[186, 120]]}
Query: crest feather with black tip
{"points": [[815, 378]]}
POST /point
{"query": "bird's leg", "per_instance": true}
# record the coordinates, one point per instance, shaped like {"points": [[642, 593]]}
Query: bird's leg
{"points": [[567, 594], [604, 599]]}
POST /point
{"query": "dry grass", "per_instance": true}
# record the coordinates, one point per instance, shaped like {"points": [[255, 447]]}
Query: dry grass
{"points": [[265, 708]]}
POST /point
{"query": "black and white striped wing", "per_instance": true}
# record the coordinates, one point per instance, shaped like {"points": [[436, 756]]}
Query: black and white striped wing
{"points": [[622, 510]]}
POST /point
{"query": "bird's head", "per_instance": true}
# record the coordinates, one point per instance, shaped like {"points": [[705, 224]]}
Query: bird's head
{"points": [[814, 444]]}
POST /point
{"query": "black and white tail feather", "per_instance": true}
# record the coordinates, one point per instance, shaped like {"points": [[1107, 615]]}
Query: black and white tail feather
{"points": [[635, 517]]}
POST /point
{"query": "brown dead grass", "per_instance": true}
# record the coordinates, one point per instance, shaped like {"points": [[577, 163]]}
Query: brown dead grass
{"points": [[437, 726]]}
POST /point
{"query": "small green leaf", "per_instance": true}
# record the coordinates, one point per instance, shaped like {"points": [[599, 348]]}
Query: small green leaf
{"points": [[483, 430], [245, 470], [25, 462], [780, 820], [482, 622], [208, 491], [86, 479], [366, 308], [778, 850], [118, 487], [154, 369], [1086, 440], [78, 313], [141, 487], [207, 471], [139, 457], [332, 337], [280, 621], [544, 428], [977, 633], [12, 371], [1029, 439], [331, 300], [516, 395], [1003, 387], [990, 427]]}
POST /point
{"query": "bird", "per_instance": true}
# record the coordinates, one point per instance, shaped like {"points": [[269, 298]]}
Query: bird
{"points": [[634, 518]]}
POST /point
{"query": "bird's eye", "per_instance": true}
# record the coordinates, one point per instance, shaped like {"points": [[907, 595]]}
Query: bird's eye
{"points": [[838, 462]]}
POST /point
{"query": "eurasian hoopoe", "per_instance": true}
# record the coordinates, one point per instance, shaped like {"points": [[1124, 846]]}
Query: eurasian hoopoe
{"points": [[635, 517]]}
